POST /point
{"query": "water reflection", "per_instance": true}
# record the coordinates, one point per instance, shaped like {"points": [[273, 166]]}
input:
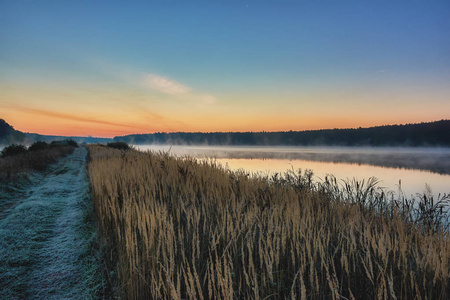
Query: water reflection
{"points": [[412, 181], [415, 167], [430, 159]]}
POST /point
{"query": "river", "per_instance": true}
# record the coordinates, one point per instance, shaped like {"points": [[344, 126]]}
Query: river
{"points": [[409, 168]]}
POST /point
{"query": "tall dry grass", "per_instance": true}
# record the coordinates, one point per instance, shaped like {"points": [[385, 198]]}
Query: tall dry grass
{"points": [[185, 229], [31, 161]]}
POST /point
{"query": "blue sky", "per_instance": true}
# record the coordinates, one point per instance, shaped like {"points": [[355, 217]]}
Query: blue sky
{"points": [[222, 65]]}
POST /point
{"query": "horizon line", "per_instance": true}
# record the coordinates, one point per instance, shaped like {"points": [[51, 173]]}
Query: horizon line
{"points": [[215, 132]]}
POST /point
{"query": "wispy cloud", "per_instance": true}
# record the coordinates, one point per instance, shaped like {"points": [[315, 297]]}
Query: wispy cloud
{"points": [[165, 85], [208, 99], [157, 82], [173, 88], [68, 116]]}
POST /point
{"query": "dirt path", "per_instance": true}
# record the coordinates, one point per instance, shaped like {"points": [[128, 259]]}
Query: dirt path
{"points": [[47, 239]]}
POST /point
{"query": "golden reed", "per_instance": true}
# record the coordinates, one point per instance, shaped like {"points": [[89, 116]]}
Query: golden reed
{"points": [[178, 228]]}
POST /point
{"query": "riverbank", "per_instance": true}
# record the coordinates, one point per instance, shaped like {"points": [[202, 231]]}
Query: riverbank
{"points": [[182, 228]]}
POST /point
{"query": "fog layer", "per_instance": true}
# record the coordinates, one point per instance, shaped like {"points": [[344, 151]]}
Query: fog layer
{"points": [[435, 160]]}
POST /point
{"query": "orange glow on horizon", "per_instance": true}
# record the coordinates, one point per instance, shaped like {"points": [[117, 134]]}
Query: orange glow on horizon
{"points": [[47, 125], [109, 119]]}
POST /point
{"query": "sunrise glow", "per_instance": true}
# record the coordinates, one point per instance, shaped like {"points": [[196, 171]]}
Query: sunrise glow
{"points": [[109, 68]]}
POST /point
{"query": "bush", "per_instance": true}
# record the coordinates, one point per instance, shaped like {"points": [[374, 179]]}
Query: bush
{"points": [[64, 143], [13, 150], [72, 143], [57, 144], [37, 158], [119, 145], [36, 146]]}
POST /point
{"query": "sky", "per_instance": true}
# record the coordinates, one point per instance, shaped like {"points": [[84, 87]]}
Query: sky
{"points": [[110, 68]]}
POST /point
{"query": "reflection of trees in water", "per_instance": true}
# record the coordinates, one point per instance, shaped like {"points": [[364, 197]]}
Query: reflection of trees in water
{"points": [[434, 162]]}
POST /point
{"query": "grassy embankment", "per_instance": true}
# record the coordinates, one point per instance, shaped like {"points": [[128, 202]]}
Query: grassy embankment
{"points": [[19, 165], [180, 228], [17, 159]]}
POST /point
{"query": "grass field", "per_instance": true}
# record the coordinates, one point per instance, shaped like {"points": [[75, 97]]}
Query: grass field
{"points": [[180, 228], [32, 160]]}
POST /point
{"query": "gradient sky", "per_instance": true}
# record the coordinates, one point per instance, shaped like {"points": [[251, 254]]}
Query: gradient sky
{"points": [[107, 68]]}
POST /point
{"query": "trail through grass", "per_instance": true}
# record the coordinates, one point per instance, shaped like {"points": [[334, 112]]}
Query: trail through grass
{"points": [[48, 237]]}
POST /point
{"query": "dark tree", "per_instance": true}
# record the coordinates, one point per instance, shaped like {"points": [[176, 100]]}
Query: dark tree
{"points": [[13, 150], [36, 146]]}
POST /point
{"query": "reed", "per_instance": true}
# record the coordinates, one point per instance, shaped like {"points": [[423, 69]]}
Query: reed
{"points": [[179, 228]]}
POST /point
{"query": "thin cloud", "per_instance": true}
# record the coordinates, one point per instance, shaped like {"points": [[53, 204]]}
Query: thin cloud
{"points": [[208, 99], [173, 88], [71, 117], [156, 82], [165, 85], [158, 122]]}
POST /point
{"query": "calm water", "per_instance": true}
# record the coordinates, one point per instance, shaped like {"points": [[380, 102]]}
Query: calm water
{"points": [[415, 167]]}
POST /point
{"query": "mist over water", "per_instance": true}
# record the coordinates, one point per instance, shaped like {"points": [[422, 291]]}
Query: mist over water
{"points": [[413, 167]]}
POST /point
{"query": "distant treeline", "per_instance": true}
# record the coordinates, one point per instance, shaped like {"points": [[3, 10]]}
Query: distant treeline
{"points": [[423, 134], [9, 135], [79, 139]]}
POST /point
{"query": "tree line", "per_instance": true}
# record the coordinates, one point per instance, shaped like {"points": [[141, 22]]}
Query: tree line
{"points": [[422, 134]]}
